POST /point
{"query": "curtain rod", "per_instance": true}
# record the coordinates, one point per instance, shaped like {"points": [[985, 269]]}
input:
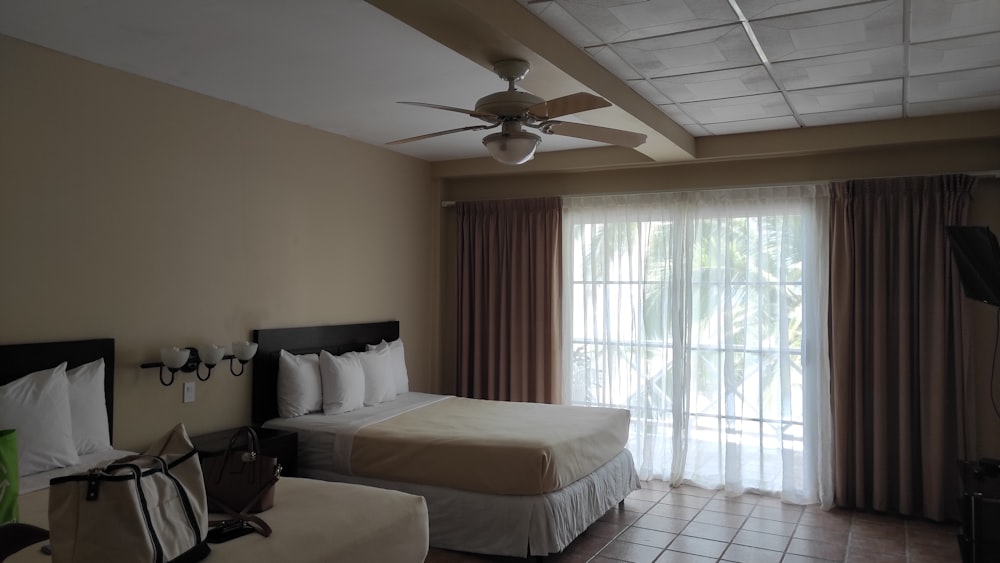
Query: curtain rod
{"points": [[995, 174]]}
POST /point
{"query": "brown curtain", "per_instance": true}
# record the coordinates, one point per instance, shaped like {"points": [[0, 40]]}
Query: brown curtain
{"points": [[896, 357], [510, 299]]}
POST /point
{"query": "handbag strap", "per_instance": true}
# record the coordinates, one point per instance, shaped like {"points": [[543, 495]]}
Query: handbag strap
{"points": [[130, 460], [261, 526], [253, 449], [144, 507], [258, 523], [253, 442]]}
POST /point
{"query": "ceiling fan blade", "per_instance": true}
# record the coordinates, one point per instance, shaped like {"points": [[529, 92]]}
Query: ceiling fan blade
{"points": [[594, 133], [573, 103], [470, 112], [439, 133]]}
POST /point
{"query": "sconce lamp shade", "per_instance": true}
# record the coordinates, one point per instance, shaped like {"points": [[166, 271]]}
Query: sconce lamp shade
{"points": [[190, 360], [512, 147], [244, 351], [211, 354], [174, 357]]}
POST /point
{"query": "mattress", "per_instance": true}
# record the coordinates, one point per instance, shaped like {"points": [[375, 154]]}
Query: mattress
{"points": [[312, 522], [492, 447]]}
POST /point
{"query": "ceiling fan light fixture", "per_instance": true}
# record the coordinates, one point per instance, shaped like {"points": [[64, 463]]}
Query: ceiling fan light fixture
{"points": [[513, 148]]}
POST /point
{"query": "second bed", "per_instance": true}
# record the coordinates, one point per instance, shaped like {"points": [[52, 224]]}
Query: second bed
{"points": [[499, 478]]}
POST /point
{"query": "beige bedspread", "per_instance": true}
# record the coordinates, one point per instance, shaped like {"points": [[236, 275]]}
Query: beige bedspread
{"points": [[491, 446], [313, 522]]}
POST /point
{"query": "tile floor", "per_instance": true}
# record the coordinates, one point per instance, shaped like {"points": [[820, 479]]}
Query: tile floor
{"points": [[691, 525]]}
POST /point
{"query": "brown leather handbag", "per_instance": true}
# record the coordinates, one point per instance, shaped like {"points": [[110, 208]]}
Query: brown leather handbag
{"points": [[240, 480]]}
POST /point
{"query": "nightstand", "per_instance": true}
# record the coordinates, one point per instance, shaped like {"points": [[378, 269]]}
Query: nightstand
{"points": [[282, 444], [979, 537]]}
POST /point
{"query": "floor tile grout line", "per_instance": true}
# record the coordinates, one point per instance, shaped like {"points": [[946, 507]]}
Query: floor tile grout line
{"points": [[784, 552], [847, 545], [855, 522], [791, 537], [797, 524], [620, 532], [850, 536]]}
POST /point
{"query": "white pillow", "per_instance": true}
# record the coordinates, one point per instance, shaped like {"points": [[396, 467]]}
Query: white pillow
{"points": [[379, 385], [299, 389], [343, 382], [397, 355], [37, 407], [88, 409]]}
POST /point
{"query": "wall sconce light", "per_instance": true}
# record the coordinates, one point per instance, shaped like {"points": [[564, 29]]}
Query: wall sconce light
{"points": [[190, 359]]}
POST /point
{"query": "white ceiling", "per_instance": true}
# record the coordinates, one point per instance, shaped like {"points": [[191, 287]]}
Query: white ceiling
{"points": [[714, 67]]}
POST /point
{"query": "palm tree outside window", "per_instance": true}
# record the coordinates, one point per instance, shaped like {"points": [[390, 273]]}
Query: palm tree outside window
{"points": [[704, 314]]}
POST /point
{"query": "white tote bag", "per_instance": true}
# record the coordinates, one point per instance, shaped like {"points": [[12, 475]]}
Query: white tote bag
{"points": [[147, 508]]}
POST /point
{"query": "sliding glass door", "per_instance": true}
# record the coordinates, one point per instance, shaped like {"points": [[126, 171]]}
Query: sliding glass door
{"points": [[704, 314]]}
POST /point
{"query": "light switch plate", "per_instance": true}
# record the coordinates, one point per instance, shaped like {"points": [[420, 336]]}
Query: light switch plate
{"points": [[189, 392]]}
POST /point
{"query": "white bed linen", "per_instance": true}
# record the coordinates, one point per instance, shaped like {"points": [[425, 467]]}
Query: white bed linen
{"points": [[36, 481], [325, 440], [312, 522], [512, 525]]}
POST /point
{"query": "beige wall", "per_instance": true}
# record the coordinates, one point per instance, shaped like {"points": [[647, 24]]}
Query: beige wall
{"points": [[139, 211], [921, 159]]}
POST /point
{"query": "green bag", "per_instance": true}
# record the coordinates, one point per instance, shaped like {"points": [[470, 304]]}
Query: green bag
{"points": [[8, 477]]}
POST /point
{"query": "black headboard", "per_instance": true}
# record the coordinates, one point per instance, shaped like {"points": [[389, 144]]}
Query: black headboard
{"points": [[18, 360], [335, 339]]}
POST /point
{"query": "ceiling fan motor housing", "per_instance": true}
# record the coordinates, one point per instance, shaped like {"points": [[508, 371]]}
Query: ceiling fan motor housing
{"points": [[511, 70], [508, 104]]}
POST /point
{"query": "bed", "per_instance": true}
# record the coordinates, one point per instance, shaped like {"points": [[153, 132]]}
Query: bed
{"points": [[312, 521], [555, 487]]}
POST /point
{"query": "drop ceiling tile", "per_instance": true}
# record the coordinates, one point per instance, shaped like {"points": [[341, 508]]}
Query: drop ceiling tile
{"points": [[953, 106], [752, 125], [729, 83], [860, 66], [675, 113], [626, 20], [757, 9], [847, 97], [684, 120], [851, 115], [829, 32], [646, 90], [696, 130], [606, 57], [564, 23], [687, 53], [955, 54], [940, 19], [746, 108], [955, 85]]}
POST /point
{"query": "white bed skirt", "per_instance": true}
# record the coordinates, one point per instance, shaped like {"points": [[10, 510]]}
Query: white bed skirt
{"points": [[515, 526]]}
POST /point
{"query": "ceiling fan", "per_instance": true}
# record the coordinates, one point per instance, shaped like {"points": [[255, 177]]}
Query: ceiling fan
{"points": [[513, 110]]}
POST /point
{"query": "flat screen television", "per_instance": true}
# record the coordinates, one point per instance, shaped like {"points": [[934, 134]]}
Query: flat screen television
{"points": [[977, 255]]}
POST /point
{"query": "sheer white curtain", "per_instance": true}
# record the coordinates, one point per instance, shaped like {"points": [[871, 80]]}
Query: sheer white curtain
{"points": [[705, 314]]}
